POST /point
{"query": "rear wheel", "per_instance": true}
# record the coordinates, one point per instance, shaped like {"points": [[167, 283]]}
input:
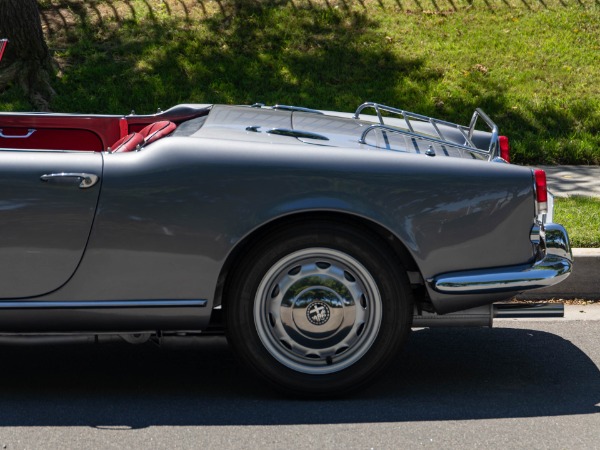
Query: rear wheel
{"points": [[319, 309]]}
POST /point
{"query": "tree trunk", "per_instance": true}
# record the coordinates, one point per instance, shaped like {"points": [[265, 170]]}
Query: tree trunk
{"points": [[27, 60]]}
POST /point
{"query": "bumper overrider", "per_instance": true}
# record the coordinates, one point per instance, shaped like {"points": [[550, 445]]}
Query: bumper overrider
{"points": [[553, 264]]}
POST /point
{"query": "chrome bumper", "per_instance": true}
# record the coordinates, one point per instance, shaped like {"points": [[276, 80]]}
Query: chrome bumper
{"points": [[552, 267]]}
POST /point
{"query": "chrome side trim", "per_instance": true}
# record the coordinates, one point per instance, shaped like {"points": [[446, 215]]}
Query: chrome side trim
{"points": [[16, 304], [555, 265]]}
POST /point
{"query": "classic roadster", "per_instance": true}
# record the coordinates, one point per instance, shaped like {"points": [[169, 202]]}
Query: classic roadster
{"points": [[315, 240]]}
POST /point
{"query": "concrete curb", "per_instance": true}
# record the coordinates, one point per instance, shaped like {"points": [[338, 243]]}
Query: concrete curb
{"points": [[584, 281]]}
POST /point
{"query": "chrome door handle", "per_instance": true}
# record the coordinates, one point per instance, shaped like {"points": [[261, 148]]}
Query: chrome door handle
{"points": [[30, 131], [85, 180]]}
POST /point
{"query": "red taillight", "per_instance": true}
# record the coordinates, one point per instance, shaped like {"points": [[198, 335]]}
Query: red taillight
{"points": [[541, 190], [504, 148]]}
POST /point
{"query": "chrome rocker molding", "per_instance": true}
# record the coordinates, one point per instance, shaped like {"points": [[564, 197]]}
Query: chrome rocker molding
{"points": [[555, 265], [27, 316], [16, 304]]}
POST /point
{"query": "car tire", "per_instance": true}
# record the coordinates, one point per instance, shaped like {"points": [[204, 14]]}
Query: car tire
{"points": [[319, 309]]}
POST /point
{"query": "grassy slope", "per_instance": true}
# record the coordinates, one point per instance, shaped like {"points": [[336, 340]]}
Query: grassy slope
{"points": [[581, 217], [531, 64]]}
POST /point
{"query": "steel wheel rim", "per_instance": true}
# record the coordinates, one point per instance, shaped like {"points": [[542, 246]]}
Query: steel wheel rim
{"points": [[317, 310]]}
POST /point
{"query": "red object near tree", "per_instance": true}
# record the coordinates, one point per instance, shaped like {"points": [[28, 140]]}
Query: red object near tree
{"points": [[3, 43]]}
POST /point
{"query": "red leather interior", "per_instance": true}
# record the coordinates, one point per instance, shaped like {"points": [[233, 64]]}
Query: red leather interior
{"points": [[78, 132], [51, 139], [156, 130], [59, 131], [128, 143], [123, 127], [146, 135]]}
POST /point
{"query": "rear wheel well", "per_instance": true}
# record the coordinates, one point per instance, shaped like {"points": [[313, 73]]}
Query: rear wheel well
{"points": [[319, 308], [298, 220]]}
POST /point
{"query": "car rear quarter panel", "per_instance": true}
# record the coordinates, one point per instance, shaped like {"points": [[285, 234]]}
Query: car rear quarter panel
{"points": [[170, 215]]}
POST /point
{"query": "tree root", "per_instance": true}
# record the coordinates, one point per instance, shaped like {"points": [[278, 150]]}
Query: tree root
{"points": [[9, 74], [33, 80]]}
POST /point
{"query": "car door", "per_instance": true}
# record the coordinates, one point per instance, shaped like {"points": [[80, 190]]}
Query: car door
{"points": [[48, 201]]}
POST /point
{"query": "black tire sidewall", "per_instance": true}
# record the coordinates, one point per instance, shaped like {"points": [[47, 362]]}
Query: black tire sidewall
{"points": [[366, 248]]}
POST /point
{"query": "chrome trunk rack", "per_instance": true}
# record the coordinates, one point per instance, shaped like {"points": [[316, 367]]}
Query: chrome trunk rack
{"points": [[436, 132]]}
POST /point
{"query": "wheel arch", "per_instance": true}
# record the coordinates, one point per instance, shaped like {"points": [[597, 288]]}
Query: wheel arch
{"points": [[299, 219]]}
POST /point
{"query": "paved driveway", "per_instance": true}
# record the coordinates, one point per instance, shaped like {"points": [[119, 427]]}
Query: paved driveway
{"points": [[525, 384]]}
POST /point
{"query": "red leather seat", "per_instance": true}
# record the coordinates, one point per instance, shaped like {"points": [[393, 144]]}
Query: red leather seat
{"points": [[157, 130], [127, 143]]}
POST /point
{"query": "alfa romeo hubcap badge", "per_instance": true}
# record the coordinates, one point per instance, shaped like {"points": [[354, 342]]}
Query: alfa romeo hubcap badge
{"points": [[318, 313]]}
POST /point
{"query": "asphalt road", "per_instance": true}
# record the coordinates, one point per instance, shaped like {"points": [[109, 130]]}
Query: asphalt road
{"points": [[522, 385]]}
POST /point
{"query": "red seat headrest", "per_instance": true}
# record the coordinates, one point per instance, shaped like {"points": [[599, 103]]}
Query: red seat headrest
{"points": [[156, 130], [128, 143]]}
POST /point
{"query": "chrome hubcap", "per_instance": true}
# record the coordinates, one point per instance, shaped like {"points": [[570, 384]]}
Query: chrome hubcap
{"points": [[317, 310]]}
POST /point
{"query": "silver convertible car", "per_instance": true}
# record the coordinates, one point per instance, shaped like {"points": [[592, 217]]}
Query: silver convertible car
{"points": [[314, 239]]}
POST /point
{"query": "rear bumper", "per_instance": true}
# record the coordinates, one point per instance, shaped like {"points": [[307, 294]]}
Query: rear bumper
{"points": [[554, 265]]}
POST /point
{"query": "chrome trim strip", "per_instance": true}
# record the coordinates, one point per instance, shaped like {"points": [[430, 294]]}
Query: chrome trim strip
{"points": [[555, 266], [549, 214], [16, 304], [296, 109], [297, 134]]}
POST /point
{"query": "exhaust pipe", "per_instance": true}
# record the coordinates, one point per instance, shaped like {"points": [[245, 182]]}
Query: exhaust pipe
{"points": [[528, 310], [483, 316]]}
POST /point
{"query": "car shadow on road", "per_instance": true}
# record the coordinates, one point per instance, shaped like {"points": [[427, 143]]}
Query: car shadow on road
{"points": [[456, 374]]}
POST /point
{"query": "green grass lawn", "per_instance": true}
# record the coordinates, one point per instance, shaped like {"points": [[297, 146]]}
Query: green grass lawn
{"points": [[581, 217], [531, 64]]}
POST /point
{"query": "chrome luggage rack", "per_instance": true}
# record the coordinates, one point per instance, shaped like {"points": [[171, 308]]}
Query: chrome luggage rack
{"points": [[437, 137]]}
